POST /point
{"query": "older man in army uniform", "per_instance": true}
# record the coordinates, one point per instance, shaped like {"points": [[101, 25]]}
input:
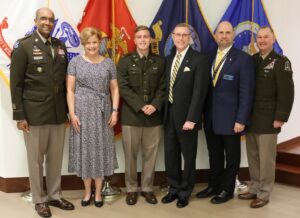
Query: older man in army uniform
{"points": [[37, 81], [272, 106], [142, 87]]}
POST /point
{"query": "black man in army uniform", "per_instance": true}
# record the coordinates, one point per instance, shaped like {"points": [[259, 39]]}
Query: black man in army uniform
{"points": [[37, 81]]}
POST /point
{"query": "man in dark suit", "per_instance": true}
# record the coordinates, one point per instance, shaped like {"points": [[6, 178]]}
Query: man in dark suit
{"points": [[226, 113], [274, 96], [187, 76], [37, 81]]}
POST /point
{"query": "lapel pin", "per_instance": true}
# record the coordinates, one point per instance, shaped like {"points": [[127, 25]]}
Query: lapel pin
{"points": [[36, 40]]}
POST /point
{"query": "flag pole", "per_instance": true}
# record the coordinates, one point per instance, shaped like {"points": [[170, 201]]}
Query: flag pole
{"points": [[252, 48], [186, 11], [113, 37]]}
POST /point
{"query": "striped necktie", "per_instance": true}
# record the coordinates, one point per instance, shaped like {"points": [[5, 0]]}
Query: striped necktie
{"points": [[173, 76], [217, 68]]}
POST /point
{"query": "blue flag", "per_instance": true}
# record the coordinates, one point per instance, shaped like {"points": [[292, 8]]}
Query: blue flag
{"points": [[247, 16], [173, 12]]}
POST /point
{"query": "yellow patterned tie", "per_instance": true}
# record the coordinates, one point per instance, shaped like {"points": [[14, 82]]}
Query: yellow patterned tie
{"points": [[173, 76], [217, 68]]}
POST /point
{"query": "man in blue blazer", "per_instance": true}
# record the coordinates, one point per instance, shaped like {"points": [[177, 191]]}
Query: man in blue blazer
{"points": [[187, 75], [227, 112]]}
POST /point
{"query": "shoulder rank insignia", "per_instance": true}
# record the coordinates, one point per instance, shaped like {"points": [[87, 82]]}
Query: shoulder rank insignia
{"points": [[287, 66], [270, 66]]}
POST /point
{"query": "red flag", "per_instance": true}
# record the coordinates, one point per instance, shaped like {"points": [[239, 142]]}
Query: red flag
{"points": [[117, 26]]}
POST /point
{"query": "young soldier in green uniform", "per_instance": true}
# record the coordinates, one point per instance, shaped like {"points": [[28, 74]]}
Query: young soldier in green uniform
{"points": [[142, 88]]}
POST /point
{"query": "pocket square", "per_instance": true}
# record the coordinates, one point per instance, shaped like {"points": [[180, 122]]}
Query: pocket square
{"points": [[186, 69]]}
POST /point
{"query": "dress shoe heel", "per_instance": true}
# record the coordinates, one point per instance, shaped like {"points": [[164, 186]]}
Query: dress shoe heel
{"points": [[247, 196], [86, 203], [98, 203]]}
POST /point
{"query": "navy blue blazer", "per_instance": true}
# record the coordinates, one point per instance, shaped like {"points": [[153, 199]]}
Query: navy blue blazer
{"points": [[230, 101]]}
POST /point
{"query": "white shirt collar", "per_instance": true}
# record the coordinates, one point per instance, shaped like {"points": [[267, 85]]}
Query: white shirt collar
{"points": [[225, 50], [183, 52], [43, 38]]}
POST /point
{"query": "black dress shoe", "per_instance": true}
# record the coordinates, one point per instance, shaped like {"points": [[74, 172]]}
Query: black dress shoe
{"points": [[98, 203], [86, 203], [182, 202], [169, 198], [209, 191], [222, 197]]}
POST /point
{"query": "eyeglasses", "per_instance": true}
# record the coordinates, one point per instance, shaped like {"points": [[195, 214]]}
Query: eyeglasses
{"points": [[183, 35]]}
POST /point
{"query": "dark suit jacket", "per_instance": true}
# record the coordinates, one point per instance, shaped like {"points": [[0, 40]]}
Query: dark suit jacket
{"points": [[37, 81], [189, 89], [231, 99]]}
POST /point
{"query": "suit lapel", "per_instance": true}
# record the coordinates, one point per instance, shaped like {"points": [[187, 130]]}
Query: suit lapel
{"points": [[39, 43], [169, 62], [183, 64], [266, 61], [151, 61], [228, 62]]}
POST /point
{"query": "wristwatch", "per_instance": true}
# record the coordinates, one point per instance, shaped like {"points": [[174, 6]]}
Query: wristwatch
{"points": [[115, 110]]}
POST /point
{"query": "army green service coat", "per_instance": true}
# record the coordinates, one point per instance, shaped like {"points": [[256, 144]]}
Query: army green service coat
{"points": [[37, 81], [141, 84]]}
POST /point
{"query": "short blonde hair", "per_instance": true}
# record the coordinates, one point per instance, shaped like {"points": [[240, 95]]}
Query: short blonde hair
{"points": [[140, 28], [87, 32]]}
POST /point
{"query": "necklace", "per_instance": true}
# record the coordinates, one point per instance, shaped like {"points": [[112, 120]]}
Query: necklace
{"points": [[94, 60]]}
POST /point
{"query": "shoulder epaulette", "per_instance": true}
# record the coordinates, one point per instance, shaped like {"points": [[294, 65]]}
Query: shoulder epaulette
{"points": [[25, 37], [17, 43]]}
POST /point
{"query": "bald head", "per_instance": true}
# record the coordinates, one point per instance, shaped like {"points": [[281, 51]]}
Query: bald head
{"points": [[225, 24], [224, 35], [41, 10]]}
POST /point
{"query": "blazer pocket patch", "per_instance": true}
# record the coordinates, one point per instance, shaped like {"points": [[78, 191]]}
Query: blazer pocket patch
{"points": [[228, 77]]}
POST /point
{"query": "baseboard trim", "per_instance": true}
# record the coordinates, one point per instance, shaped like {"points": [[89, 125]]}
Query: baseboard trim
{"points": [[72, 182]]}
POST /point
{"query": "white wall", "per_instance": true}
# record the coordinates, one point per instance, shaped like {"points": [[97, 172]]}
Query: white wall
{"points": [[283, 16]]}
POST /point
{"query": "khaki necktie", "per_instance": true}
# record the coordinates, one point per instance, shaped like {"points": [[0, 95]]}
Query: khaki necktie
{"points": [[217, 68], [49, 45], [173, 76]]}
